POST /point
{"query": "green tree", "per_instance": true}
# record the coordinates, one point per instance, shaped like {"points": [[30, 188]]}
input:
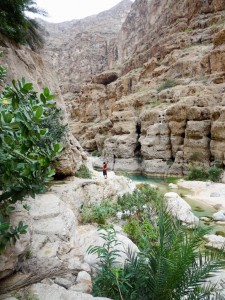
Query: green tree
{"points": [[17, 26], [27, 149]]}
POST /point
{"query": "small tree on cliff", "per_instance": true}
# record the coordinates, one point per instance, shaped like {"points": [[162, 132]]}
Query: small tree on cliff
{"points": [[18, 27]]}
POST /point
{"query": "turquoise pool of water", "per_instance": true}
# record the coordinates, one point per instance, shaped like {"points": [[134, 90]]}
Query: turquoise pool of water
{"points": [[199, 209]]}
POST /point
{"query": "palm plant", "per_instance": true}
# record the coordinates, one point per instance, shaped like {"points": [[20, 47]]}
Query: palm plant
{"points": [[173, 265]]}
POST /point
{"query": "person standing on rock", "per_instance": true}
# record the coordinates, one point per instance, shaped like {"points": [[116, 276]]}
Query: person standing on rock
{"points": [[105, 164]]}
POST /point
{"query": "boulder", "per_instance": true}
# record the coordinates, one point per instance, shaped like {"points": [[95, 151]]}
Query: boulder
{"points": [[55, 292], [173, 186], [219, 216], [88, 235], [83, 283], [180, 209], [215, 241]]}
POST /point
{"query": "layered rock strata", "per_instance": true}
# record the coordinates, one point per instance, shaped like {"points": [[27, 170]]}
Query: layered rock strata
{"points": [[79, 49], [161, 107]]}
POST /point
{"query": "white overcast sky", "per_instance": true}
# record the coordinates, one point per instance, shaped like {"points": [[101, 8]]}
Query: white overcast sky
{"points": [[66, 10]]}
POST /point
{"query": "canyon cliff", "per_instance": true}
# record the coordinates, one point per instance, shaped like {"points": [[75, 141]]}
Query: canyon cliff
{"points": [[159, 103], [150, 95], [21, 62]]}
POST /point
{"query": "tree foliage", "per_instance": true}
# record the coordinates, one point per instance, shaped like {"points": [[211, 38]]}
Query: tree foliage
{"points": [[17, 26], [172, 263], [27, 149]]}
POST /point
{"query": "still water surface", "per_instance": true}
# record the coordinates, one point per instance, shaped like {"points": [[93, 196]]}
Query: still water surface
{"points": [[199, 209]]}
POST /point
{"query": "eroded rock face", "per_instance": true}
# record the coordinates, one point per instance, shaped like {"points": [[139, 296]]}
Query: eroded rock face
{"points": [[81, 48], [166, 108], [23, 62]]}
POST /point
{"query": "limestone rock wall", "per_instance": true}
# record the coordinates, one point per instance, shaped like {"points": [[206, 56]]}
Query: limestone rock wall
{"points": [[79, 49], [165, 109], [23, 62]]}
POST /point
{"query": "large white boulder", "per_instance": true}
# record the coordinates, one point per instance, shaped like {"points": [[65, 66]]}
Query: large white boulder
{"points": [[180, 209], [55, 292], [215, 241], [53, 228], [88, 235], [219, 216]]}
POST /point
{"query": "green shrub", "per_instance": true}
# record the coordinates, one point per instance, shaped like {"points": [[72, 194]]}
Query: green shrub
{"points": [[2, 72], [25, 160], [135, 201], [83, 172], [167, 84], [140, 230], [110, 280], [172, 179], [171, 266], [197, 173], [96, 153], [98, 213], [134, 204], [214, 174], [132, 229]]}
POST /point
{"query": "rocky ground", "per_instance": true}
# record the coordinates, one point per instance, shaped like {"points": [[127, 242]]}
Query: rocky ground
{"points": [[56, 243], [51, 260]]}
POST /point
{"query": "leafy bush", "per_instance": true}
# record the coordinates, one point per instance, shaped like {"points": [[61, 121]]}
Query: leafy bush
{"points": [[133, 203], [198, 173], [98, 212], [132, 229], [2, 72], [172, 179], [83, 172], [139, 230], [25, 156], [136, 200], [110, 280], [167, 84], [214, 173], [170, 267]]}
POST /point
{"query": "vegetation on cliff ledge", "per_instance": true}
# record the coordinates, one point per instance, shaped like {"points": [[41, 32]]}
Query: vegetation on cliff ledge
{"points": [[17, 26]]}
